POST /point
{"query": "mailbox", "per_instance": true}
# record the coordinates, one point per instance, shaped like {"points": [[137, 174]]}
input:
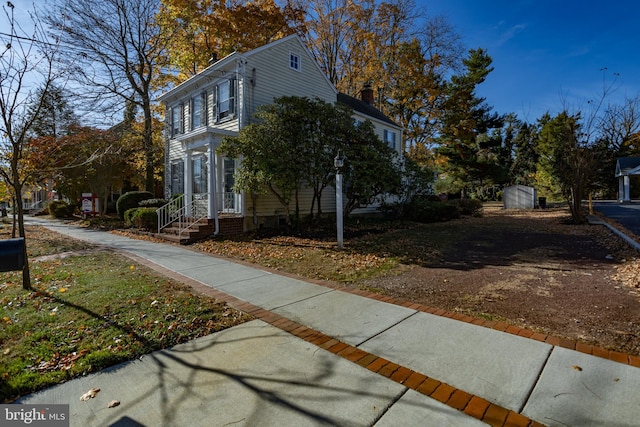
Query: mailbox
{"points": [[12, 254]]}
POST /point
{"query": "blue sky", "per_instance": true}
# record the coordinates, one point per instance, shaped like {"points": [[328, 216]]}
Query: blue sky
{"points": [[550, 54], [546, 54]]}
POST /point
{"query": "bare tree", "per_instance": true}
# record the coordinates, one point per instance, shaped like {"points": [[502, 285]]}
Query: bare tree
{"points": [[117, 49], [25, 63], [620, 127]]}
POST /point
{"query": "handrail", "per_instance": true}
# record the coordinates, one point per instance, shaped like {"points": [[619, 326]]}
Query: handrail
{"points": [[186, 215]]}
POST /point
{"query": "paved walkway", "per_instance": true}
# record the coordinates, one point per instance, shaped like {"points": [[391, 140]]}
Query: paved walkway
{"points": [[317, 355]]}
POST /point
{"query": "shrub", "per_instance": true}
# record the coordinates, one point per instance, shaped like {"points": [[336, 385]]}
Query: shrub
{"points": [[468, 206], [61, 209], [142, 218], [421, 209], [131, 200], [153, 203]]}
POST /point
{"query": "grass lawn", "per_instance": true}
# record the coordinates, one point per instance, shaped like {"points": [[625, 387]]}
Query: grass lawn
{"points": [[90, 309]]}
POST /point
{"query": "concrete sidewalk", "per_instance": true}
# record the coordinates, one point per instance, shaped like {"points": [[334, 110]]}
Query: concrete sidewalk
{"points": [[324, 356]]}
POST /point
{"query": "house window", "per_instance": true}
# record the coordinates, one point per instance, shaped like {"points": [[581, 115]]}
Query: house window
{"points": [[226, 100], [199, 168], [198, 109], [177, 177], [390, 138], [294, 61], [177, 119]]}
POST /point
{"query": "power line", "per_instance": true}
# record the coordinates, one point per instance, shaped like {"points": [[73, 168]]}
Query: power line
{"points": [[14, 36]]}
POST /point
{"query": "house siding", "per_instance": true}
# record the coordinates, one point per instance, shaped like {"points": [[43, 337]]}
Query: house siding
{"points": [[269, 76], [269, 208]]}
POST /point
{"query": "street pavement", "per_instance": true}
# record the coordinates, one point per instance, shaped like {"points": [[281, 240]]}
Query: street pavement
{"points": [[321, 355]]}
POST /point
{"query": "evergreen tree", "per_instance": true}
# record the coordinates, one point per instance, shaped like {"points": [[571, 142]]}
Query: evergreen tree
{"points": [[471, 148], [523, 169]]}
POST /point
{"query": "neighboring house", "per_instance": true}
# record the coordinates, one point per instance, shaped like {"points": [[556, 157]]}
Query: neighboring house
{"points": [[626, 167], [221, 100]]}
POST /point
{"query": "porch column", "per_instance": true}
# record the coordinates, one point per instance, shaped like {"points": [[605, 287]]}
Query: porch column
{"points": [[212, 184], [188, 183]]}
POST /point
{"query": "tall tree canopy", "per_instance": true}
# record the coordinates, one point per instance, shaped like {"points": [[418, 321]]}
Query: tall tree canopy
{"points": [[402, 53], [113, 49], [205, 29], [473, 152]]}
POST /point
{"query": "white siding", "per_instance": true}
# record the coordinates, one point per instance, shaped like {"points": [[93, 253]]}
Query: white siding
{"points": [[269, 76]]}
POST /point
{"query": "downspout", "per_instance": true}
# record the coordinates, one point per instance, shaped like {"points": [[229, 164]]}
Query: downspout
{"points": [[213, 191]]}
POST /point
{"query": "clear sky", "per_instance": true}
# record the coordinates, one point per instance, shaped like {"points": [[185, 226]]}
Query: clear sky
{"points": [[548, 54]]}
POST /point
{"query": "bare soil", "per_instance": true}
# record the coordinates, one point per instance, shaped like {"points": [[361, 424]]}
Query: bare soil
{"points": [[535, 270]]}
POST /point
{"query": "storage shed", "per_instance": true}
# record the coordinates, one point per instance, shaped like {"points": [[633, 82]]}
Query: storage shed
{"points": [[519, 197]]}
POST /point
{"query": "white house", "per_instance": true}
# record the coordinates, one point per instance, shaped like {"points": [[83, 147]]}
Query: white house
{"points": [[221, 100], [626, 167]]}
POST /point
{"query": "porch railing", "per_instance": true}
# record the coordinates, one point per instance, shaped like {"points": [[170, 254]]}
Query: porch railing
{"points": [[184, 215]]}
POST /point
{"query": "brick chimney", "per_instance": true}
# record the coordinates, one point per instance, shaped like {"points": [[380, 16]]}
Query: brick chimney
{"points": [[366, 94]]}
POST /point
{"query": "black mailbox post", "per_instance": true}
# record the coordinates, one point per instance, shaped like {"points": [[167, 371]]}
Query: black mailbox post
{"points": [[12, 254]]}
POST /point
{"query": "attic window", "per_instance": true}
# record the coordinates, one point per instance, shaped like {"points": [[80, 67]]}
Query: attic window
{"points": [[294, 61]]}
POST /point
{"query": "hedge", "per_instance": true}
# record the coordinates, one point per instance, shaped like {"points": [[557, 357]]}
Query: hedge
{"points": [[131, 200]]}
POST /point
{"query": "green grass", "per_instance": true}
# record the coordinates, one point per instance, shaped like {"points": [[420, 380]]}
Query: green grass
{"points": [[89, 312]]}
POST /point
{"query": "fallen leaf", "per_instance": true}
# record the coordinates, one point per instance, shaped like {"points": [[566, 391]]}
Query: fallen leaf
{"points": [[113, 404], [577, 368], [90, 394]]}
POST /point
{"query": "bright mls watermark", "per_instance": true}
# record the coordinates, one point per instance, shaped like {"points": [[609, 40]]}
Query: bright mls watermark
{"points": [[34, 415]]}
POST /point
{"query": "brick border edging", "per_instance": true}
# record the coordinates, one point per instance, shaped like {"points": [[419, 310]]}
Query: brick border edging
{"points": [[570, 344], [472, 405]]}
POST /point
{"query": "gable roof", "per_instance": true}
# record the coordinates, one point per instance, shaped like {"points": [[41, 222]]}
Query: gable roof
{"points": [[628, 166], [232, 57], [365, 108]]}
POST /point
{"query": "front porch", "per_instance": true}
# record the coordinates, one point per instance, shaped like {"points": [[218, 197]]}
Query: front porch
{"points": [[186, 222], [190, 232]]}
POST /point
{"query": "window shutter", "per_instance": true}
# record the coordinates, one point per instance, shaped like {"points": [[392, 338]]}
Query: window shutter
{"points": [[215, 104], [204, 113], [191, 112], [181, 118], [232, 97], [169, 116]]}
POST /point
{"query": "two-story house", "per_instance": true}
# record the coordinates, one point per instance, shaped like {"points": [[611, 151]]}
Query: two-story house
{"points": [[221, 100]]}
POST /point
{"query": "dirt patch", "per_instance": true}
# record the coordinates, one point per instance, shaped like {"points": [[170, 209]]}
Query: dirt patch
{"points": [[533, 270]]}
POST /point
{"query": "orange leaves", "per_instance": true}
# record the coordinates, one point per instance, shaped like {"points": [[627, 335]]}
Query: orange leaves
{"points": [[58, 362]]}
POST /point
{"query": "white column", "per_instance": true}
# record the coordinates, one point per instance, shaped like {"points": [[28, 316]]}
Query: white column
{"points": [[627, 189], [211, 176], [188, 182]]}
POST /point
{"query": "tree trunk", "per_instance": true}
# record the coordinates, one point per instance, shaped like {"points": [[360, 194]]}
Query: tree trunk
{"points": [[26, 276]]}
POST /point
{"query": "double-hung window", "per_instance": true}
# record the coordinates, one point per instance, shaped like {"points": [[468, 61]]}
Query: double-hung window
{"points": [[198, 109], [390, 138], [226, 99], [177, 119]]}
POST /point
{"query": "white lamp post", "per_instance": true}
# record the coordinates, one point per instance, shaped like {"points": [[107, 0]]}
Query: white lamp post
{"points": [[338, 162]]}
